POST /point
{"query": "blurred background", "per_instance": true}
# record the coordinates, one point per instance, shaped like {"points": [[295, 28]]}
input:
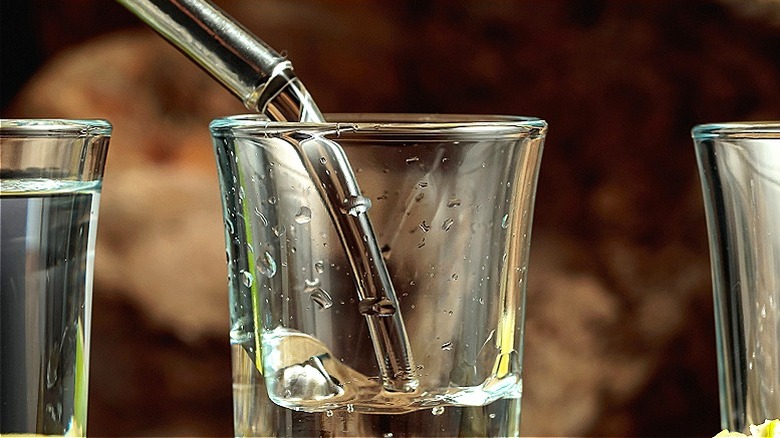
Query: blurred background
{"points": [[619, 330]]}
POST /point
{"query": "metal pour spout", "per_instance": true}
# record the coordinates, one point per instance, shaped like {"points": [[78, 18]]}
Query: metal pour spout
{"points": [[244, 64]]}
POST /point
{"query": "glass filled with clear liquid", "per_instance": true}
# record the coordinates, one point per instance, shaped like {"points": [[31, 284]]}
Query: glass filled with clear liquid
{"points": [[50, 178], [450, 200]]}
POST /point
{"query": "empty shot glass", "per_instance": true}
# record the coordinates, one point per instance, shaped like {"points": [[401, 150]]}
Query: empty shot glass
{"points": [[739, 165]]}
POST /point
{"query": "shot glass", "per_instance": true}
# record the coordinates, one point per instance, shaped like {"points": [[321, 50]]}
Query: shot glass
{"points": [[50, 178], [450, 202], [739, 165]]}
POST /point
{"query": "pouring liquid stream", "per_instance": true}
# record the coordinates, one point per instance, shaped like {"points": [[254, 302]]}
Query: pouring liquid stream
{"points": [[265, 82]]}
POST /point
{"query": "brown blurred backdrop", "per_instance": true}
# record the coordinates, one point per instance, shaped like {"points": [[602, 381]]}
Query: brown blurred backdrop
{"points": [[619, 334]]}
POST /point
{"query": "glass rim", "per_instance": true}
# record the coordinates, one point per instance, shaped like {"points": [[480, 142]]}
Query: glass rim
{"points": [[767, 129], [55, 128], [416, 124]]}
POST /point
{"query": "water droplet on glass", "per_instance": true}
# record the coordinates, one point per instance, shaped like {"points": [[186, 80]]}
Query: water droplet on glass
{"points": [[412, 159], [319, 267], [454, 202], [323, 160], [350, 407], [329, 413], [505, 221], [422, 243], [261, 216], [419, 197], [354, 205], [492, 416], [387, 435], [447, 346], [242, 331], [278, 230], [266, 265], [376, 306], [425, 227], [272, 200], [321, 298], [247, 278], [241, 193], [304, 215], [438, 410], [447, 224], [422, 184]]}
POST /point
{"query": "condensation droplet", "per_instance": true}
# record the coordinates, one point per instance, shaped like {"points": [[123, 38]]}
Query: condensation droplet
{"points": [[321, 298], [447, 224], [266, 265], [387, 435], [329, 413], [454, 202], [278, 230], [412, 159], [261, 216], [505, 221], [422, 184], [304, 215], [319, 267], [447, 346], [247, 278], [272, 200], [492, 416], [422, 243], [438, 410], [386, 251], [425, 227], [455, 277], [323, 160], [350, 407]]}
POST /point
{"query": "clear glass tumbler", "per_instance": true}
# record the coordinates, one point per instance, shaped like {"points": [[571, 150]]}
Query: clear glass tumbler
{"points": [[451, 201], [50, 176], [739, 165]]}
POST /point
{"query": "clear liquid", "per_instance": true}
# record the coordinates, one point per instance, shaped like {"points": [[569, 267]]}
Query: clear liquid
{"points": [[47, 239], [362, 408]]}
